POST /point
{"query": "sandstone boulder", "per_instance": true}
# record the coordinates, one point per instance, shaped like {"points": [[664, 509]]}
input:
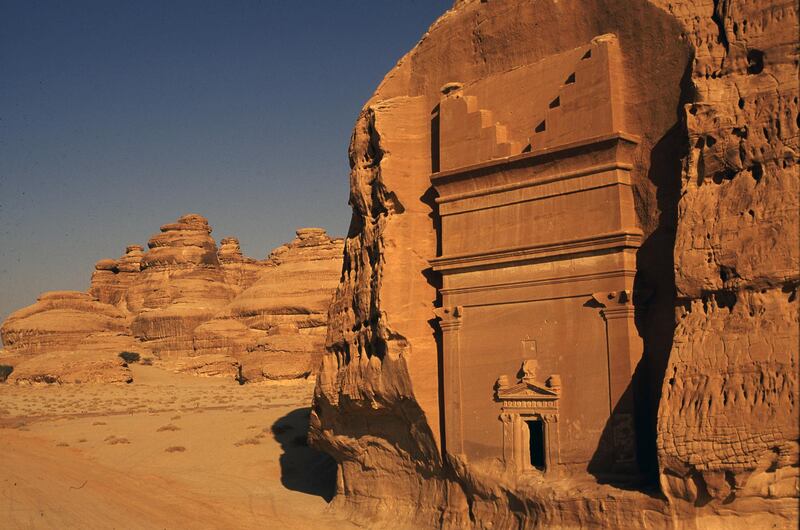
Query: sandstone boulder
{"points": [[94, 359], [59, 320], [205, 365]]}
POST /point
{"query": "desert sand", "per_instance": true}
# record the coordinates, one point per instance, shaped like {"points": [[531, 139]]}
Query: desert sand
{"points": [[167, 451]]}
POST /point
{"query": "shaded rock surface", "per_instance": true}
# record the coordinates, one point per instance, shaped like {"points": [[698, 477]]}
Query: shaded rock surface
{"points": [[711, 91]]}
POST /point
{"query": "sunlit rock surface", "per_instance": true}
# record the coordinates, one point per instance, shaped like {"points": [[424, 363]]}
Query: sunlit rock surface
{"points": [[710, 94], [187, 305]]}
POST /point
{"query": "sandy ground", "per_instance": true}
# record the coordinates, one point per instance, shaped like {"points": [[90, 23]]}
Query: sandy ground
{"points": [[167, 451]]}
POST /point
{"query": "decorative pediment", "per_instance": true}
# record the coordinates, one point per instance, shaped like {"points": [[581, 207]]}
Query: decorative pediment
{"points": [[527, 390]]}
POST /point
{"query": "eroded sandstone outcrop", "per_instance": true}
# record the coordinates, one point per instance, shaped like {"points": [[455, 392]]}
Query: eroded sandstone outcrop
{"points": [[112, 278], [181, 285], [239, 270], [190, 306], [728, 418], [710, 99], [66, 337], [276, 328]]}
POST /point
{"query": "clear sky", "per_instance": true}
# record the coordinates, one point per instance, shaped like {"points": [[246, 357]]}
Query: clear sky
{"points": [[119, 116]]}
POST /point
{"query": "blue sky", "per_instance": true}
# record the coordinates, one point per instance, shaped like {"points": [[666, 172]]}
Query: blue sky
{"points": [[117, 117]]}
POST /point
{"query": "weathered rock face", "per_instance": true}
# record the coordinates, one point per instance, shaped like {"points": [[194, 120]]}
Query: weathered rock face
{"points": [[193, 307], [112, 278], [181, 285], [239, 270], [276, 327], [59, 319], [712, 97], [728, 417], [66, 337]]}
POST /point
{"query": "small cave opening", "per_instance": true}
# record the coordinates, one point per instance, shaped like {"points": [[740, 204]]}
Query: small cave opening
{"points": [[755, 61]]}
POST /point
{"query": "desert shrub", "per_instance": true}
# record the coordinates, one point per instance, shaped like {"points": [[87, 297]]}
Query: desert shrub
{"points": [[129, 356], [169, 427], [5, 371]]}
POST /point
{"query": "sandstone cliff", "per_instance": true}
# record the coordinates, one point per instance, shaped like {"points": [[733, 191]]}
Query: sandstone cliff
{"points": [[728, 417], [710, 91]]}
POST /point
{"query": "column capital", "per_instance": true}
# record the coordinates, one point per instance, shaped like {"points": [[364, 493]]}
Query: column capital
{"points": [[624, 311], [449, 317]]}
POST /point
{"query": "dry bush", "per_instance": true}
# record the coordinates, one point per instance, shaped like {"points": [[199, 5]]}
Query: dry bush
{"points": [[129, 356], [247, 441], [168, 427], [5, 371], [114, 440]]}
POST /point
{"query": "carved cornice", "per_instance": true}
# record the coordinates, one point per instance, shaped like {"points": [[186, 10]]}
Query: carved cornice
{"points": [[561, 151], [611, 313], [540, 182], [631, 238], [618, 273]]}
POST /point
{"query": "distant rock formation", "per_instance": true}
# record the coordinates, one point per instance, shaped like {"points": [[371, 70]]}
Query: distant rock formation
{"points": [[180, 286], [188, 305], [66, 337], [112, 278], [240, 271], [276, 327]]}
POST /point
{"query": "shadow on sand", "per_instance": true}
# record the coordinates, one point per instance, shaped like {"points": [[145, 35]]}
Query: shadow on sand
{"points": [[303, 469]]}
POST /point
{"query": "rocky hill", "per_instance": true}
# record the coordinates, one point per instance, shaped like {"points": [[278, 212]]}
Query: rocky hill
{"points": [[187, 304]]}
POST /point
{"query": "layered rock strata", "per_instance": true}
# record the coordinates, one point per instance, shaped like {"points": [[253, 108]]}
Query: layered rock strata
{"points": [[276, 328], [112, 278], [66, 337], [239, 270], [181, 285], [710, 94], [193, 307]]}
